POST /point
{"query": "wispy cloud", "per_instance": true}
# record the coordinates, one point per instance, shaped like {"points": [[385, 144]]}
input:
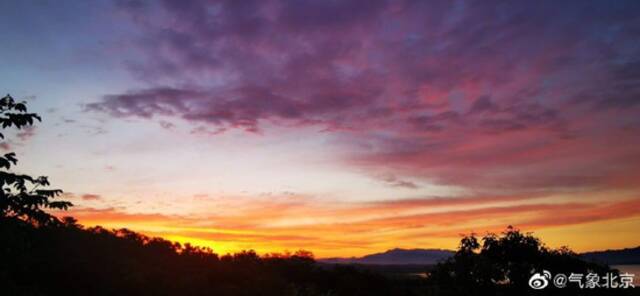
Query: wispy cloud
{"points": [[471, 94], [523, 106], [336, 227]]}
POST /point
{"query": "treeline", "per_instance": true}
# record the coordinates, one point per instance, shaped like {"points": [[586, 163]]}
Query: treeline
{"points": [[67, 259]]}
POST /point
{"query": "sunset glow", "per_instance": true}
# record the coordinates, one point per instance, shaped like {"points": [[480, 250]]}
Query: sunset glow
{"points": [[336, 127]]}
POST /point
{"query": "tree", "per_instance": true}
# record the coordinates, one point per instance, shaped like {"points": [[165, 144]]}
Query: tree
{"points": [[503, 264], [22, 196]]}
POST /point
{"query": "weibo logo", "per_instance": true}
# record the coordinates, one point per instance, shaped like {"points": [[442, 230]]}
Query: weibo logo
{"points": [[540, 281]]}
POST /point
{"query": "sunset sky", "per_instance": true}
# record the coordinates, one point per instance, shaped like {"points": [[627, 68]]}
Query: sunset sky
{"points": [[340, 127]]}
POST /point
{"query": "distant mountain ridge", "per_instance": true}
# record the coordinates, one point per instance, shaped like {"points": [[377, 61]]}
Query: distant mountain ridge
{"points": [[615, 257], [399, 256]]}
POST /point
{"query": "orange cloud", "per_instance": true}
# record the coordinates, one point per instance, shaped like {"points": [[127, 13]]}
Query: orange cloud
{"points": [[355, 229]]}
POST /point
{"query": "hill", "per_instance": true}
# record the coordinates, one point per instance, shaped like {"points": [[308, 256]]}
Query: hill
{"points": [[397, 257], [615, 257]]}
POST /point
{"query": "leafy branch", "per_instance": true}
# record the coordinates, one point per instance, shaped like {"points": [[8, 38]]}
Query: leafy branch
{"points": [[21, 195]]}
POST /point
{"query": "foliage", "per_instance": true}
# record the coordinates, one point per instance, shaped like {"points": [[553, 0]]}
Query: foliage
{"points": [[503, 264], [67, 259], [23, 196]]}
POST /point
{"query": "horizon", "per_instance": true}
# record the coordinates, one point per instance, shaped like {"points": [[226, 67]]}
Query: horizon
{"points": [[341, 128]]}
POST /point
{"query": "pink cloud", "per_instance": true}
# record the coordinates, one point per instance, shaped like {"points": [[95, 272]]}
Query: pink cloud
{"points": [[89, 196], [481, 95]]}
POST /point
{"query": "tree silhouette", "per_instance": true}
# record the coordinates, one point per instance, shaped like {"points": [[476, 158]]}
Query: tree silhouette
{"points": [[23, 196], [503, 264]]}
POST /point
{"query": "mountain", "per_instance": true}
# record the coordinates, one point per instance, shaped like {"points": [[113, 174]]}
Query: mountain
{"points": [[615, 257], [397, 257], [432, 256]]}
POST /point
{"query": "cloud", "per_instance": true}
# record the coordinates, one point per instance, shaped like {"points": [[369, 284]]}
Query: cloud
{"points": [[5, 146], [279, 224], [91, 197], [166, 124], [26, 133], [393, 181], [110, 216], [518, 98]]}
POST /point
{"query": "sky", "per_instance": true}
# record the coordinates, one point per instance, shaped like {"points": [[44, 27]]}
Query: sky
{"points": [[340, 127]]}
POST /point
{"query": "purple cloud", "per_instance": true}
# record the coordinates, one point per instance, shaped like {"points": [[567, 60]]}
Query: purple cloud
{"points": [[463, 93]]}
